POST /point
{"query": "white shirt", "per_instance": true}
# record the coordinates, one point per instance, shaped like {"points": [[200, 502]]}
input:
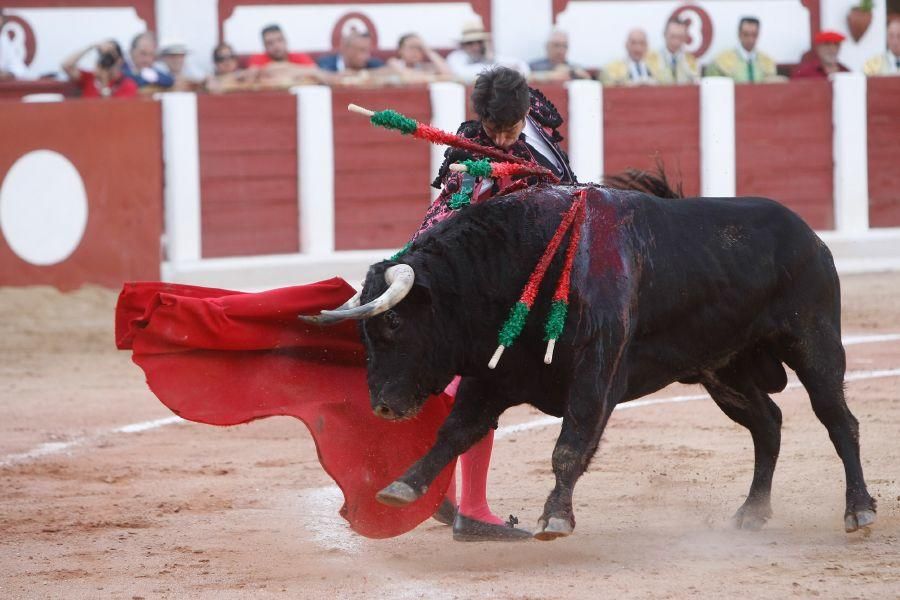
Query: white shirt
{"points": [[534, 139], [893, 61], [669, 58], [638, 71], [12, 53], [747, 56], [468, 70]]}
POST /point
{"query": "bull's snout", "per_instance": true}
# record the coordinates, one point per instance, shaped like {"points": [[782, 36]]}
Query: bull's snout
{"points": [[385, 412]]}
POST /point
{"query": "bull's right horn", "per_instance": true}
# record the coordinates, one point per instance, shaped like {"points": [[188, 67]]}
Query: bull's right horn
{"points": [[400, 279]]}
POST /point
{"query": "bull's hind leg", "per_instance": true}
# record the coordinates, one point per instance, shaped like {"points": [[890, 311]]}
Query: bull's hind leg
{"points": [[739, 397], [818, 358], [589, 406]]}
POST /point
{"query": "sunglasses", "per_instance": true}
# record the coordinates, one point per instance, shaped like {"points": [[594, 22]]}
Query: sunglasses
{"points": [[220, 58]]}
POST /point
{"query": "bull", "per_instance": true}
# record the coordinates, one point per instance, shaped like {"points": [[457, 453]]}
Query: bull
{"points": [[721, 292]]}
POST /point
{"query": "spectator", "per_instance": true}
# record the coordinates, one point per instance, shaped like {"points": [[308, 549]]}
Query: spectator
{"points": [[276, 53], [141, 69], [632, 70], [354, 56], [415, 62], [12, 54], [672, 65], [825, 61], [108, 79], [476, 54], [172, 61], [745, 64], [556, 67], [888, 62], [277, 68], [228, 75]]}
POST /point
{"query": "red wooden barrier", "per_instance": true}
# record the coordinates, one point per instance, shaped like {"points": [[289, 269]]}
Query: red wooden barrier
{"points": [[884, 159], [783, 148], [248, 174], [117, 150], [14, 90], [381, 178], [642, 123]]}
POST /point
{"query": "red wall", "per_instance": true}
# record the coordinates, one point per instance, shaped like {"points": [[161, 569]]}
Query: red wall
{"points": [[642, 123], [381, 178], [783, 147], [248, 174], [884, 151], [117, 148]]}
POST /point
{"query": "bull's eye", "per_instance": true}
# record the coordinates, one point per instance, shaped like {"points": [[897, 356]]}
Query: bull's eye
{"points": [[392, 320]]}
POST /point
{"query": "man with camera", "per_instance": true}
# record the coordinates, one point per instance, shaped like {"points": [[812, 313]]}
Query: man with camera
{"points": [[107, 80]]}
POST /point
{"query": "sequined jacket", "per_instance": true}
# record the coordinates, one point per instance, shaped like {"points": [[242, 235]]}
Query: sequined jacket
{"points": [[547, 122]]}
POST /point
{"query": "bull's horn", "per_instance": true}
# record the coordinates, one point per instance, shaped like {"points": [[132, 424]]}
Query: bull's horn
{"points": [[400, 280], [322, 320]]}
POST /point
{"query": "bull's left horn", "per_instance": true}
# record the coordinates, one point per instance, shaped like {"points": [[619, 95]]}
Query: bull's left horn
{"points": [[322, 320], [400, 279]]}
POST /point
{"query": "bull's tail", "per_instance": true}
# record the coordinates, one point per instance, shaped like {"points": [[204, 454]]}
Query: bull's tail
{"points": [[655, 182]]}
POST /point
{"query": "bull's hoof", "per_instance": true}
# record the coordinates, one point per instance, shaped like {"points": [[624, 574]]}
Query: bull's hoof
{"points": [[751, 517], [397, 494], [854, 521], [552, 528]]}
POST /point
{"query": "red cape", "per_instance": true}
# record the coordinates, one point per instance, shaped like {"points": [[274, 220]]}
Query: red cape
{"points": [[223, 358]]}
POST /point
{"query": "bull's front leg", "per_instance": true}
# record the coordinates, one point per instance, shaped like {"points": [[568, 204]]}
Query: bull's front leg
{"points": [[589, 405], [475, 411]]}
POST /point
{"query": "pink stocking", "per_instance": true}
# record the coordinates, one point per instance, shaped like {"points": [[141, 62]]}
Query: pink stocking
{"points": [[474, 465], [451, 489]]}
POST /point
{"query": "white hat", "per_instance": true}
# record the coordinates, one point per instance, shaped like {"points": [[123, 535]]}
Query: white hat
{"points": [[473, 31], [173, 48]]}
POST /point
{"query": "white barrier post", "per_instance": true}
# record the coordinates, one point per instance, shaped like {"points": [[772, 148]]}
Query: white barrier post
{"points": [[851, 159], [315, 169], [586, 129], [448, 110], [717, 143], [181, 158]]}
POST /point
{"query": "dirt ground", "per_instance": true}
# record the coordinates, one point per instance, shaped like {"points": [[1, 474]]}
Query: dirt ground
{"points": [[91, 510]]}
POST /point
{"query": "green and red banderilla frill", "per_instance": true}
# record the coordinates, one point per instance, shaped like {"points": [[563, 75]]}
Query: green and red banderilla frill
{"points": [[518, 315], [391, 119]]}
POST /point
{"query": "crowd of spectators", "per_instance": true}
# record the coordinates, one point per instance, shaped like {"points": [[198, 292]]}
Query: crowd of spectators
{"points": [[151, 67]]}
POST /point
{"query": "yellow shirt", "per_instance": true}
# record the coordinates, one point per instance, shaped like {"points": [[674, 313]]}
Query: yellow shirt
{"points": [[883, 64], [685, 69], [625, 72], [733, 63]]}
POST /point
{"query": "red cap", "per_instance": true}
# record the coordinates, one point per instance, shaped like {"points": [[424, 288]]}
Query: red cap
{"points": [[828, 37]]}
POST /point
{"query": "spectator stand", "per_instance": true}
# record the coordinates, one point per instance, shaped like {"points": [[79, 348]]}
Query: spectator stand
{"points": [[317, 30]]}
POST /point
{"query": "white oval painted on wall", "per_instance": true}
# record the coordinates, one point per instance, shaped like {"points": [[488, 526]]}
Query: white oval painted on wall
{"points": [[43, 207]]}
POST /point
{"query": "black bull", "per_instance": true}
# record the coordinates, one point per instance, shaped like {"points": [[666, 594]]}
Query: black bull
{"points": [[719, 292]]}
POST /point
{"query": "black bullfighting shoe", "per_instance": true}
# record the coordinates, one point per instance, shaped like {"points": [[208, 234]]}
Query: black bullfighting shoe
{"points": [[470, 530], [445, 513]]}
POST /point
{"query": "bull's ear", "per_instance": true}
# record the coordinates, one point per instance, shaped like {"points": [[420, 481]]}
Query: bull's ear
{"points": [[420, 293]]}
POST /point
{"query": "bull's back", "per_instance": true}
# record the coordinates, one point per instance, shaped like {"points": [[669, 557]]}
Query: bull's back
{"points": [[712, 275]]}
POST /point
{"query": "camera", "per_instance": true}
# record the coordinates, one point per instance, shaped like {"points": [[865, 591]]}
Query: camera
{"points": [[107, 59]]}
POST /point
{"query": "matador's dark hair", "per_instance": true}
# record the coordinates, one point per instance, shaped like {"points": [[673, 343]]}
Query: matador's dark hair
{"points": [[501, 96]]}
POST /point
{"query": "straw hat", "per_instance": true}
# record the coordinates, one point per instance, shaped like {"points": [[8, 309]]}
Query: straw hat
{"points": [[473, 31]]}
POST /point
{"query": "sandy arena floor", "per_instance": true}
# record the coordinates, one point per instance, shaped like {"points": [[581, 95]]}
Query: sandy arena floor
{"points": [[92, 508]]}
